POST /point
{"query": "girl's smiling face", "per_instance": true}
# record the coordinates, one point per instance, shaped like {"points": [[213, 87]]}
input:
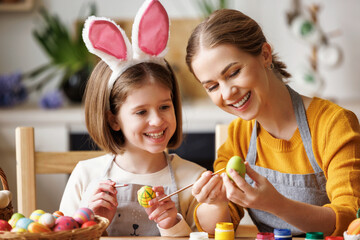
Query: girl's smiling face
{"points": [[234, 80], [147, 118]]}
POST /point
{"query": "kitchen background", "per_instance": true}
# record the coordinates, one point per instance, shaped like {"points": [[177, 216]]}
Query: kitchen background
{"points": [[335, 40]]}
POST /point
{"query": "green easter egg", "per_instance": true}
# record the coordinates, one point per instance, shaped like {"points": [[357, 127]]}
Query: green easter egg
{"points": [[237, 164]]}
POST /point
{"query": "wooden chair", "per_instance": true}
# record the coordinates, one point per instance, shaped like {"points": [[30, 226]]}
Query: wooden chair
{"points": [[246, 227], [29, 163], [220, 136]]}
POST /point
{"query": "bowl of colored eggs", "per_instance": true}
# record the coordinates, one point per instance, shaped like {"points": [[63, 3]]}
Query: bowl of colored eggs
{"points": [[84, 224]]}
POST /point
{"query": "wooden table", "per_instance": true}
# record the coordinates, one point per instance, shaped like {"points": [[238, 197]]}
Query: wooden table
{"points": [[160, 238], [245, 232]]}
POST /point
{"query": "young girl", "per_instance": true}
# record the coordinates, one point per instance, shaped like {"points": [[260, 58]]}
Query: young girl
{"points": [[302, 154], [133, 112]]}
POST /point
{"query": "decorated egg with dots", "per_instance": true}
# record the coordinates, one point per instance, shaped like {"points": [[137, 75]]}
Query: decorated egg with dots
{"points": [[83, 215], [47, 219], [18, 230], [36, 227], [14, 218], [23, 223], [35, 215], [4, 225], [57, 214], [64, 223], [145, 194]]}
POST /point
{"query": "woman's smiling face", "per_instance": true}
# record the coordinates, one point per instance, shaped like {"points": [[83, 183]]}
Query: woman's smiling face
{"points": [[234, 80]]}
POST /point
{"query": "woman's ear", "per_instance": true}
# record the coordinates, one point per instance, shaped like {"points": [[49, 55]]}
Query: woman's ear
{"points": [[112, 120], [266, 54]]}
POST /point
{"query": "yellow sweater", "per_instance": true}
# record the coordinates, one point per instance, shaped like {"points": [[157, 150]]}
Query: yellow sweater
{"points": [[336, 145]]}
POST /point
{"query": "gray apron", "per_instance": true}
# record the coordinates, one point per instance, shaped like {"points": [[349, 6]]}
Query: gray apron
{"points": [[308, 188], [130, 218]]}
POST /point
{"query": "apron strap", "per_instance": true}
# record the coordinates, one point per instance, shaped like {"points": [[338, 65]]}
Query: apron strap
{"points": [[304, 130], [174, 187], [252, 152]]}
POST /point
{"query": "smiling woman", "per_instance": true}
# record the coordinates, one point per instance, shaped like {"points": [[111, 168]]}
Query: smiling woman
{"points": [[293, 145]]}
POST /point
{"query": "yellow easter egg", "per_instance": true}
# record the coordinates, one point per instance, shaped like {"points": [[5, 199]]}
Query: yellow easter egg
{"points": [[145, 194], [354, 227], [18, 230], [14, 218], [35, 215]]}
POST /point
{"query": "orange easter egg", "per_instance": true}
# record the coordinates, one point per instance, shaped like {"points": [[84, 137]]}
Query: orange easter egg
{"points": [[88, 224], [57, 214], [354, 227], [36, 227]]}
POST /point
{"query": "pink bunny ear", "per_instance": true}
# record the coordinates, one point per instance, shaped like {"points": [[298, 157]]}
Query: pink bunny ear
{"points": [[106, 37], [151, 29]]}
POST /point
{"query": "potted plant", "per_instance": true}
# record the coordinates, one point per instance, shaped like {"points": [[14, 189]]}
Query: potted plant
{"points": [[68, 56], [208, 6]]}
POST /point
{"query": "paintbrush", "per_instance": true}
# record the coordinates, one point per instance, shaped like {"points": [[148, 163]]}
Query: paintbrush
{"points": [[120, 185], [186, 187]]}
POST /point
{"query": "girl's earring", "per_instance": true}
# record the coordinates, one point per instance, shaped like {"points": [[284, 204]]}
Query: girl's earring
{"points": [[271, 66]]}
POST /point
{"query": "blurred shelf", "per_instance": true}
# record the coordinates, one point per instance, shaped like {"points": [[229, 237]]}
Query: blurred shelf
{"points": [[198, 117], [16, 6]]}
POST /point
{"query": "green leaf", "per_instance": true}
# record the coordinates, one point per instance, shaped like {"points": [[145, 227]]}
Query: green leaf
{"points": [[38, 71]]}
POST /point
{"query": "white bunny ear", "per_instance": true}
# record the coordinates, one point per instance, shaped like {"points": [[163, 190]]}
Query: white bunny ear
{"points": [[104, 38], [150, 33]]}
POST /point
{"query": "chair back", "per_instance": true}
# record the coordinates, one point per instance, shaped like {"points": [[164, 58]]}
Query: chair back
{"points": [[29, 163], [220, 136]]}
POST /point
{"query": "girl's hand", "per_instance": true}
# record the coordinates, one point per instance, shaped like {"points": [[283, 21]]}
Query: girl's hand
{"points": [[163, 213], [210, 189], [262, 196], [104, 201]]}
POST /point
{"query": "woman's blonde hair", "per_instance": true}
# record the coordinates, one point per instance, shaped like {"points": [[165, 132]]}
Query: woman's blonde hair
{"points": [[97, 98], [227, 26]]}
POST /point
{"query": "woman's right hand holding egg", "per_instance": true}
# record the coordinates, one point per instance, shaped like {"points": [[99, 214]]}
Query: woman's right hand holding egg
{"points": [[209, 189], [104, 201]]}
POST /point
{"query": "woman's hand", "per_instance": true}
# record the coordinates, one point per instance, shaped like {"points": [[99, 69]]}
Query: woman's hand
{"points": [[104, 201], [210, 189], [262, 196], [163, 213]]}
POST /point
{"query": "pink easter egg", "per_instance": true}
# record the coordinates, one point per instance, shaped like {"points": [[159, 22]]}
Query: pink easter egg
{"points": [[64, 223], [84, 215]]}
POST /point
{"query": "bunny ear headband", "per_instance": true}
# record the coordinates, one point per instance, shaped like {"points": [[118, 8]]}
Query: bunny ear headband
{"points": [[150, 35]]}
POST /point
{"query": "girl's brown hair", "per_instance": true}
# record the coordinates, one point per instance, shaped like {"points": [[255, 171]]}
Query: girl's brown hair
{"points": [[227, 26], [97, 98]]}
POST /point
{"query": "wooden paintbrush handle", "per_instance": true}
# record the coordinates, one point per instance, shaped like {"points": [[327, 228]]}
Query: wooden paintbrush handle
{"points": [[186, 187]]}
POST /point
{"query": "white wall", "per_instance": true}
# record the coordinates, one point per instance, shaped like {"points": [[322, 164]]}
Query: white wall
{"points": [[19, 51]]}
